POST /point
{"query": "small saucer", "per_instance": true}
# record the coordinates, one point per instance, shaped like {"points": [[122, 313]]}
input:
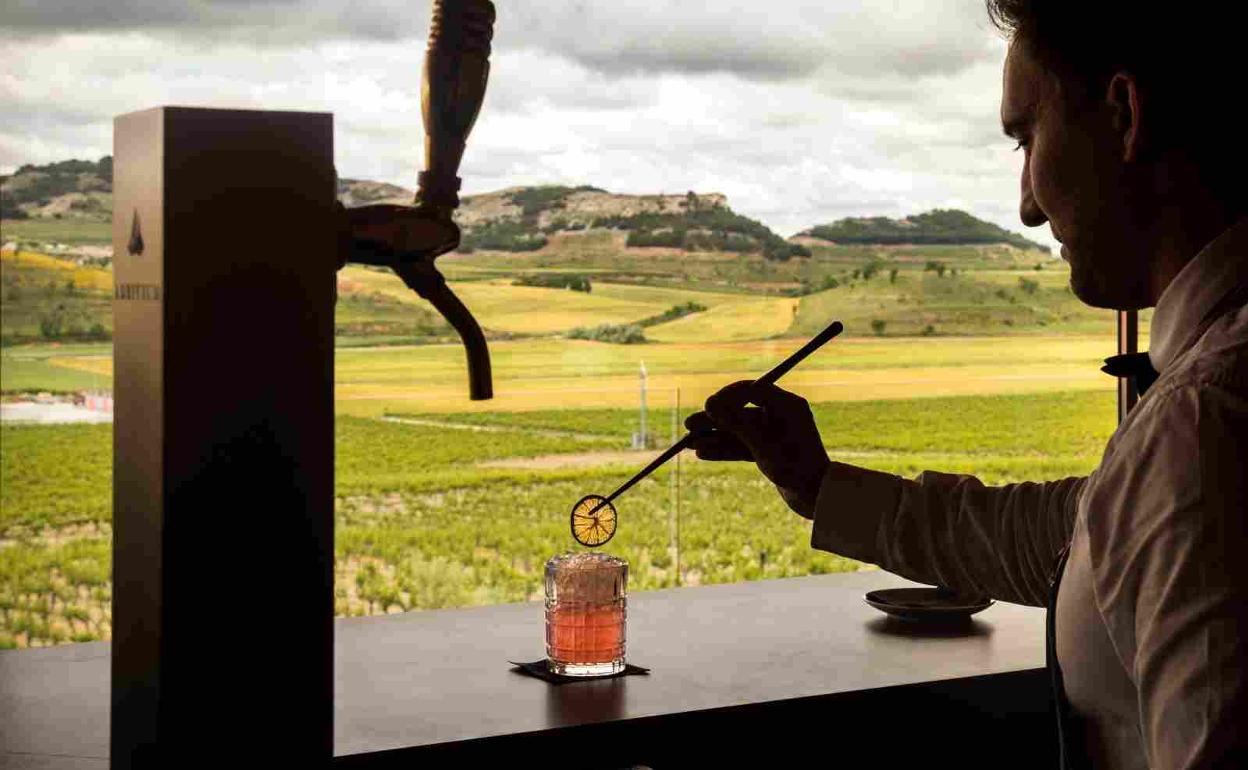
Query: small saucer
{"points": [[940, 605]]}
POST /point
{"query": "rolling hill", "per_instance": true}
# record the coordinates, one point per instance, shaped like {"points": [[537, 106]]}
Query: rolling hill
{"points": [[945, 226], [67, 199], [75, 189], [580, 261]]}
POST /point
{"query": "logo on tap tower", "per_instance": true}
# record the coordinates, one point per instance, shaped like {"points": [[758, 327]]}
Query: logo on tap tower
{"points": [[135, 246]]}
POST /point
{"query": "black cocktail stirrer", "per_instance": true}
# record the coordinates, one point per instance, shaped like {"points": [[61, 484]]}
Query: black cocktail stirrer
{"points": [[781, 369]]}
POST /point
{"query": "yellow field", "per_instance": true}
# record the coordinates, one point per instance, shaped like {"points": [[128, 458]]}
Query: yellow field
{"points": [[83, 277], [578, 393], [740, 318], [554, 373], [546, 374], [102, 365], [501, 307]]}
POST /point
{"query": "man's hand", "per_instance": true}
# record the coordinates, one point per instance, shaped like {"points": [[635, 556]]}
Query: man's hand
{"points": [[779, 434]]}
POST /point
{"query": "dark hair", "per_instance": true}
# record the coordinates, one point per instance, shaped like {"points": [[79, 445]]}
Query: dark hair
{"points": [[1188, 63]]}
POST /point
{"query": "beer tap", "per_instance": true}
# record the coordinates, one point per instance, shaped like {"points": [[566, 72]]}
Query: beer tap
{"points": [[408, 239]]}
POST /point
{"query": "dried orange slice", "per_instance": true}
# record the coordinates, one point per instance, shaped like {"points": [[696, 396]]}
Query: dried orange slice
{"points": [[593, 527]]}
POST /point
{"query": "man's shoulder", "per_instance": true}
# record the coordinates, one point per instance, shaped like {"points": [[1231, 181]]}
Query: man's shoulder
{"points": [[1165, 435], [1196, 411], [1218, 359]]}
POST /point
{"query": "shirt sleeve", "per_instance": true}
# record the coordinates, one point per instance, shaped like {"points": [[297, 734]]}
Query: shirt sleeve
{"points": [[949, 529], [1169, 548]]}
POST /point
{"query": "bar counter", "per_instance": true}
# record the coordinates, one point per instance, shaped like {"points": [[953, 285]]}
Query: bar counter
{"points": [[767, 673]]}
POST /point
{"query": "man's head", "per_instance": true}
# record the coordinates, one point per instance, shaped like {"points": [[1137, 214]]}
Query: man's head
{"points": [[1118, 109]]}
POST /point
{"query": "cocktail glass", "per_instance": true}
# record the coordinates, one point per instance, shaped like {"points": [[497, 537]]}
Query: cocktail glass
{"points": [[585, 613]]}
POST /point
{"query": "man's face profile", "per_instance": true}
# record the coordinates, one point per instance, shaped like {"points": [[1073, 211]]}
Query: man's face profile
{"points": [[1073, 178]]}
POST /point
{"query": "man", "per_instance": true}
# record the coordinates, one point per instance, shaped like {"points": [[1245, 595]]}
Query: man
{"points": [[1113, 109]]}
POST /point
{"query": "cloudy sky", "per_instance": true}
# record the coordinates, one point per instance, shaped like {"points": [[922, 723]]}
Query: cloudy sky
{"points": [[800, 112]]}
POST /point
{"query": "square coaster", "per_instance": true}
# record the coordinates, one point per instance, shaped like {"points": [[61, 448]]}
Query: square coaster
{"points": [[541, 670]]}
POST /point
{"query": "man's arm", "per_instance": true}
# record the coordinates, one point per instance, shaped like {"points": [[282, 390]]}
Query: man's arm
{"points": [[939, 529], [1169, 548], [949, 530]]}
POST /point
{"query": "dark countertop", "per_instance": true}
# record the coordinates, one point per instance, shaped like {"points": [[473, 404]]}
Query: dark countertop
{"points": [[431, 677]]}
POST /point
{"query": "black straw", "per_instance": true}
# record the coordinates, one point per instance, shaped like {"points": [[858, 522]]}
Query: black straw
{"points": [[781, 369]]}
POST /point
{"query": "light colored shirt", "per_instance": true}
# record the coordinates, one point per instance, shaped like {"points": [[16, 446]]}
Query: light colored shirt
{"points": [[1152, 611]]}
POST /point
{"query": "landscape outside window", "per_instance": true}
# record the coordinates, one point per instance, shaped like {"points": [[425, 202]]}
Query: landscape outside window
{"points": [[964, 350]]}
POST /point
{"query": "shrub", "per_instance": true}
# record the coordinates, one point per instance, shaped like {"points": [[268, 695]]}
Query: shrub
{"points": [[572, 281], [877, 326], [505, 235], [534, 200], [672, 239], [871, 269], [10, 210], [1028, 286], [672, 313], [720, 241], [619, 334], [712, 227], [51, 326], [782, 251]]}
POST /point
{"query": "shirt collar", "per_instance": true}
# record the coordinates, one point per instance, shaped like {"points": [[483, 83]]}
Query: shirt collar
{"points": [[1185, 305]]}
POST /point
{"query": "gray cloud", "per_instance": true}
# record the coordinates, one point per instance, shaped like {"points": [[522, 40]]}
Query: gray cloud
{"points": [[801, 115], [753, 40]]}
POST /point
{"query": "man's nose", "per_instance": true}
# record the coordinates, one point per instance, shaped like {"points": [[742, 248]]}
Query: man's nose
{"points": [[1028, 210]]}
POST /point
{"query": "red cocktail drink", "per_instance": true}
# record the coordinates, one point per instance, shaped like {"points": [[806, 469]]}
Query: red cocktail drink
{"points": [[585, 613]]}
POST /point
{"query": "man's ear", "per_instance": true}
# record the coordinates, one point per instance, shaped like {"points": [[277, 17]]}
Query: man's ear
{"points": [[1123, 98]]}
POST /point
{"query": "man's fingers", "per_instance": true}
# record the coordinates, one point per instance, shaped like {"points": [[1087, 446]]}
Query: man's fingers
{"points": [[728, 408], [715, 443], [730, 400], [724, 405], [774, 397], [721, 446], [699, 422]]}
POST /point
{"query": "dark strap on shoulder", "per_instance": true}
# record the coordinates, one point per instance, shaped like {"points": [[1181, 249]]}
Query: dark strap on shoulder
{"points": [[1069, 735]]}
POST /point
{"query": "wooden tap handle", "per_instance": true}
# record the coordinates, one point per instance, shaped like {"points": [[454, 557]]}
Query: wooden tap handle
{"points": [[457, 68]]}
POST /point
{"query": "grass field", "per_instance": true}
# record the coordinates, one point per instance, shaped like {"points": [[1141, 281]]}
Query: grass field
{"points": [[985, 302], [67, 231], [741, 320], [879, 291], [544, 373], [501, 306], [426, 516], [43, 298], [444, 502]]}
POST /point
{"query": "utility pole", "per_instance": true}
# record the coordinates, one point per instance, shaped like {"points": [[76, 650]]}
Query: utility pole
{"points": [[643, 442], [677, 474]]}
